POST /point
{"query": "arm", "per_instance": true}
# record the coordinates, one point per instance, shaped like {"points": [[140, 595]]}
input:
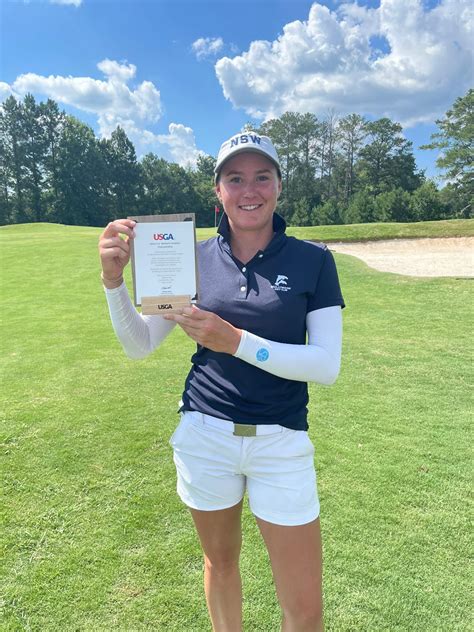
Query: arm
{"points": [[318, 361], [138, 334]]}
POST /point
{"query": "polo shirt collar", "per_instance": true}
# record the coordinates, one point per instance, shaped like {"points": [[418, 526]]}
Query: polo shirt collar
{"points": [[278, 239]]}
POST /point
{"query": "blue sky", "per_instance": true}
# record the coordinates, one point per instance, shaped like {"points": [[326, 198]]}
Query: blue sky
{"points": [[181, 75]]}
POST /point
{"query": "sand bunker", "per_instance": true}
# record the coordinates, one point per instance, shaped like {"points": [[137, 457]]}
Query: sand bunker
{"points": [[439, 257]]}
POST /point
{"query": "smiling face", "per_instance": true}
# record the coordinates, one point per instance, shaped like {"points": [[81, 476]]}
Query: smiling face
{"points": [[248, 188]]}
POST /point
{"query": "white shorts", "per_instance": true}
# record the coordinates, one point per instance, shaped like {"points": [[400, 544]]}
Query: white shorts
{"points": [[277, 467]]}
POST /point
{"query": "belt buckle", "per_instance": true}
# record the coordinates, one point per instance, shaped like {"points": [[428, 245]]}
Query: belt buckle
{"points": [[245, 430]]}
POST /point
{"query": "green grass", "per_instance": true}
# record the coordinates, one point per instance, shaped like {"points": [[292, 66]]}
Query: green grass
{"points": [[370, 232], [94, 537]]}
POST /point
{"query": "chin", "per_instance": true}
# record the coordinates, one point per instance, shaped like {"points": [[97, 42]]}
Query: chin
{"points": [[255, 224]]}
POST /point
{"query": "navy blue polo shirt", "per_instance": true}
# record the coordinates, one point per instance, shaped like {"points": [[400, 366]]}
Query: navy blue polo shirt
{"points": [[269, 296]]}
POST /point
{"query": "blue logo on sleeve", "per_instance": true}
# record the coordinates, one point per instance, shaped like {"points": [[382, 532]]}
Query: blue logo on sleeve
{"points": [[262, 355]]}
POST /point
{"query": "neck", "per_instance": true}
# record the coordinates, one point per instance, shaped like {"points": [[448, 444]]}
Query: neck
{"points": [[246, 244]]}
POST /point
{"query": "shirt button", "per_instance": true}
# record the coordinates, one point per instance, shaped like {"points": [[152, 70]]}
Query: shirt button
{"points": [[243, 288], [244, 269], [260, 256]]}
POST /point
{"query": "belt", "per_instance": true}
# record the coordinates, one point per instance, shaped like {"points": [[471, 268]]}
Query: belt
{"points": [[238, 430]]}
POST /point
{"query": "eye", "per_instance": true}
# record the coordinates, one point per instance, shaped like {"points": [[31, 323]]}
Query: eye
{"points": [[235, 179], [262, 178]]}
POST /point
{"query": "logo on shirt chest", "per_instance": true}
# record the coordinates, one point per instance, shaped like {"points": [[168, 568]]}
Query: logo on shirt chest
{"points": [[281, 283]]}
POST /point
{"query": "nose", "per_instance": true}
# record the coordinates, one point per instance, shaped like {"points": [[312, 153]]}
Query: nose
{"points": [[249, 189]]}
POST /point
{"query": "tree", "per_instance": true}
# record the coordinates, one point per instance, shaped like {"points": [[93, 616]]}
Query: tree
{"points": [[80, 176], [361, 208], [328, 213], [52, 121], [13, 149], [387, 161], [352, 131], [393, 206], [455, 203], [5, 198], [52, 167], [456, 142], [307, 134], [205, 166], [203, 185], [329, 138], [123, 173], [284, 132], [35, 147], [302, 215], [427, 204], [167, 187]]}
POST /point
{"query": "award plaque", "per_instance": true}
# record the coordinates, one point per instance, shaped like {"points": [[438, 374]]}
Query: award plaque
{"points": [[164, 268]]}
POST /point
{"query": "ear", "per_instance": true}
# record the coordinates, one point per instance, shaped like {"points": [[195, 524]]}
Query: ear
{"points": [[279, 188], [217, 191]]}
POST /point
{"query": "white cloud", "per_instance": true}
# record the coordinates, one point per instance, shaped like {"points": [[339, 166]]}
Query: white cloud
{"points": [[207, 47], [115, 103], [5, 91], [179, 145], [114, 70], [330, 61], [76, 3], [108, 99], [182, 144]]}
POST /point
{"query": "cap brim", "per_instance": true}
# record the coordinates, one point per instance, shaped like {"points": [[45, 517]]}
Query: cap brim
{"points": [[242, 150]]}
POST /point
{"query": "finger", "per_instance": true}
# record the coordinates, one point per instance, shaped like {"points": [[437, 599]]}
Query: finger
{"points": [[169, 317], [118, 242], [181, 319], [192, 331], [115, 242], [193, 334], [123, 227], [113, 253], [196, 313]]}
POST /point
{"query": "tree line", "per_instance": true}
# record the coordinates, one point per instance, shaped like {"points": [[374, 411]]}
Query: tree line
{"points": [[337, 170]]}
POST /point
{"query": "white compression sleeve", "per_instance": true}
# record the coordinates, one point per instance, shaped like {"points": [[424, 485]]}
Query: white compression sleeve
{"points": [[318, 361], [138, 334]]}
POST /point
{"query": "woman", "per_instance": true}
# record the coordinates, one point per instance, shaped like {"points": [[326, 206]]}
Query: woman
{"points": [[243, 415]]}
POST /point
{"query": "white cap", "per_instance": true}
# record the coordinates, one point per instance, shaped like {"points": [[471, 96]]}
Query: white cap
{"points": [[247, 141]]}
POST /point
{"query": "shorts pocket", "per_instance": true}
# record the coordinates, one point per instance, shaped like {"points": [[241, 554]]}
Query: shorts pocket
{"points": [[179, 433], [299, 444]]}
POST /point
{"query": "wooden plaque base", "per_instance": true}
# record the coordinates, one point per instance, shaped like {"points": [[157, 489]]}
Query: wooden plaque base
{"points": [[159, 305]]}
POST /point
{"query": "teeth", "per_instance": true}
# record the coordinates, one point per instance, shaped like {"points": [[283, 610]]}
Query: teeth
{"points": [[250, 207]]}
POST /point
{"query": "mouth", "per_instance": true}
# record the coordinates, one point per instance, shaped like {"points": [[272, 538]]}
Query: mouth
{"points": [[249, 207]]}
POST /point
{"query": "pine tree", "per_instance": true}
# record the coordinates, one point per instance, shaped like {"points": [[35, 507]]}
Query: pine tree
{"points": [[352, 133], [35, 148], [456, 142], [13, 149], [123, 173], [302, 215], [52, 121], [387, 161], [80, 175]]}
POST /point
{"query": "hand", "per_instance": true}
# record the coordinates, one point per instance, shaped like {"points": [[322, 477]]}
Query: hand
{"points": [[114, 251], [208, 329]]}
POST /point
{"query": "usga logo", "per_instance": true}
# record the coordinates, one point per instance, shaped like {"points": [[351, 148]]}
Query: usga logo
{"points": [[165, 306], [164, 236]]}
